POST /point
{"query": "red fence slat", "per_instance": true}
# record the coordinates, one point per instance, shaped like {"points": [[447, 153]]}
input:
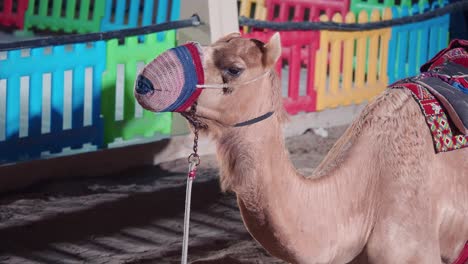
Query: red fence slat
{"points": [[10, 17]]}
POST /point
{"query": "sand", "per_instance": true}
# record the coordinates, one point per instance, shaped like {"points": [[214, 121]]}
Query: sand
{"points": [[136, 216]]}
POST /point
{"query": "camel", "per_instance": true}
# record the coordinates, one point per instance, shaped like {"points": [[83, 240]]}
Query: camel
{"points": [[381, 194]]}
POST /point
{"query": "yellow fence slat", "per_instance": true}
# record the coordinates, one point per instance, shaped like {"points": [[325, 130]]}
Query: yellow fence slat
{"points": [[372, 59], [348, 56], [384, 47], [351, 66], [335, 59], [361, 51], [246, 8], [322, 60]]}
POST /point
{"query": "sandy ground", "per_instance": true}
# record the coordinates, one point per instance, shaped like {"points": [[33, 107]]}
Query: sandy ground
{"points": [[136, 216]]}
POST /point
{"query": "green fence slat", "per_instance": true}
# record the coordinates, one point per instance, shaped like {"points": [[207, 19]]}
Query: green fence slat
{"points": [[71, 22], [369, 5], [70, 12], [57, 8], [43, 7], [84, 10]]}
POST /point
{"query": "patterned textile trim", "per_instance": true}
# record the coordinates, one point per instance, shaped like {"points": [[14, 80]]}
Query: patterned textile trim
{"points": [[445, 136]]}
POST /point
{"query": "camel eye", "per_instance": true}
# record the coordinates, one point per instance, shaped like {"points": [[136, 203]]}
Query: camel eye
{"points": [[233, 71]]}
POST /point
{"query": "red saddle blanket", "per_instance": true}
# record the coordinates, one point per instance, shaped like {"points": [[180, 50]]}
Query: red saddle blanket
{"points": [[463, 258], [441, 90]]}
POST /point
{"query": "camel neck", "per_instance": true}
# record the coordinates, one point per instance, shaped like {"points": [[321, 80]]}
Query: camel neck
{"points": [[278, 204], [248, 153]]}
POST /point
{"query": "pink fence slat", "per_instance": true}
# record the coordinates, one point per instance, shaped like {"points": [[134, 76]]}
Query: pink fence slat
{"points": [[299, 7], [299, 45], [13, 17]]}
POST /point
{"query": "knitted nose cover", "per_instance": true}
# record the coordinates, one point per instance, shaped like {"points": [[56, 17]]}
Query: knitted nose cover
{"points": [[173, 75]]}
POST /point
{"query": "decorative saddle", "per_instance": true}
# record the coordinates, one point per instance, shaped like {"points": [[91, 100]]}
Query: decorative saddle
{"points": [[442, 93]]}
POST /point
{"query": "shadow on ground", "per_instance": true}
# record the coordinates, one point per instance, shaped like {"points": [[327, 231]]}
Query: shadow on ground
{"points": [[136, 216]]}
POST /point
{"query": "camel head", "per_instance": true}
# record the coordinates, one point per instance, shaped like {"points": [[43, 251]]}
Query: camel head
{"points": [[232, 80]]}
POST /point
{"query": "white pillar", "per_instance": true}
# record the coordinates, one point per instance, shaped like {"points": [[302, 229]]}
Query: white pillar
{"points": [[220, 18]]}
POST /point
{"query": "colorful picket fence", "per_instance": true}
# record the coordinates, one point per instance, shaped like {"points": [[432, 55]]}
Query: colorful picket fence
{"points": [[299, 48], [12, 13], [352, 83], [50, 106], [413, 44], [83, 94], [343, 68], [80, 16]]}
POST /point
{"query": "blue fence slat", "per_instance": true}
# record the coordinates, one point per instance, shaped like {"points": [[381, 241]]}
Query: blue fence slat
{"points": [[35, 100], [423, 49], [106, 19], [99, 68], [13, 107], [57, 91], [413, 49], [433, 42], [413, 44], [148, 12], [175, 11], [402, 45], [78, 96], [392, 49], [78, 88], [120, 12], [161, 17], [134, 14], [35, 104], [162, 11]]}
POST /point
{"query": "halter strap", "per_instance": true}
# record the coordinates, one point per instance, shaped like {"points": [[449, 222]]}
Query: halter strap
{"points": [[254, 120], [226, 85]]}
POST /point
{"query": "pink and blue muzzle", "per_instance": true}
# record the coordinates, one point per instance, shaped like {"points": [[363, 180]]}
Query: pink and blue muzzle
{"points": [[169, 82]]}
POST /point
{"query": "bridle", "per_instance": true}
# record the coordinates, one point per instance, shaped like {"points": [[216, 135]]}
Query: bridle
{"points": [[197, 124], [194, 158]]}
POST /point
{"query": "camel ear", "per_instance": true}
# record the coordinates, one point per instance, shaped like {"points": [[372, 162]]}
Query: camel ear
{"points": [[272, 50]]}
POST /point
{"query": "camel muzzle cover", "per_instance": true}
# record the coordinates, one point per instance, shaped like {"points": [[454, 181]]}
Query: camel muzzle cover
{"points": [[168, 83]]}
